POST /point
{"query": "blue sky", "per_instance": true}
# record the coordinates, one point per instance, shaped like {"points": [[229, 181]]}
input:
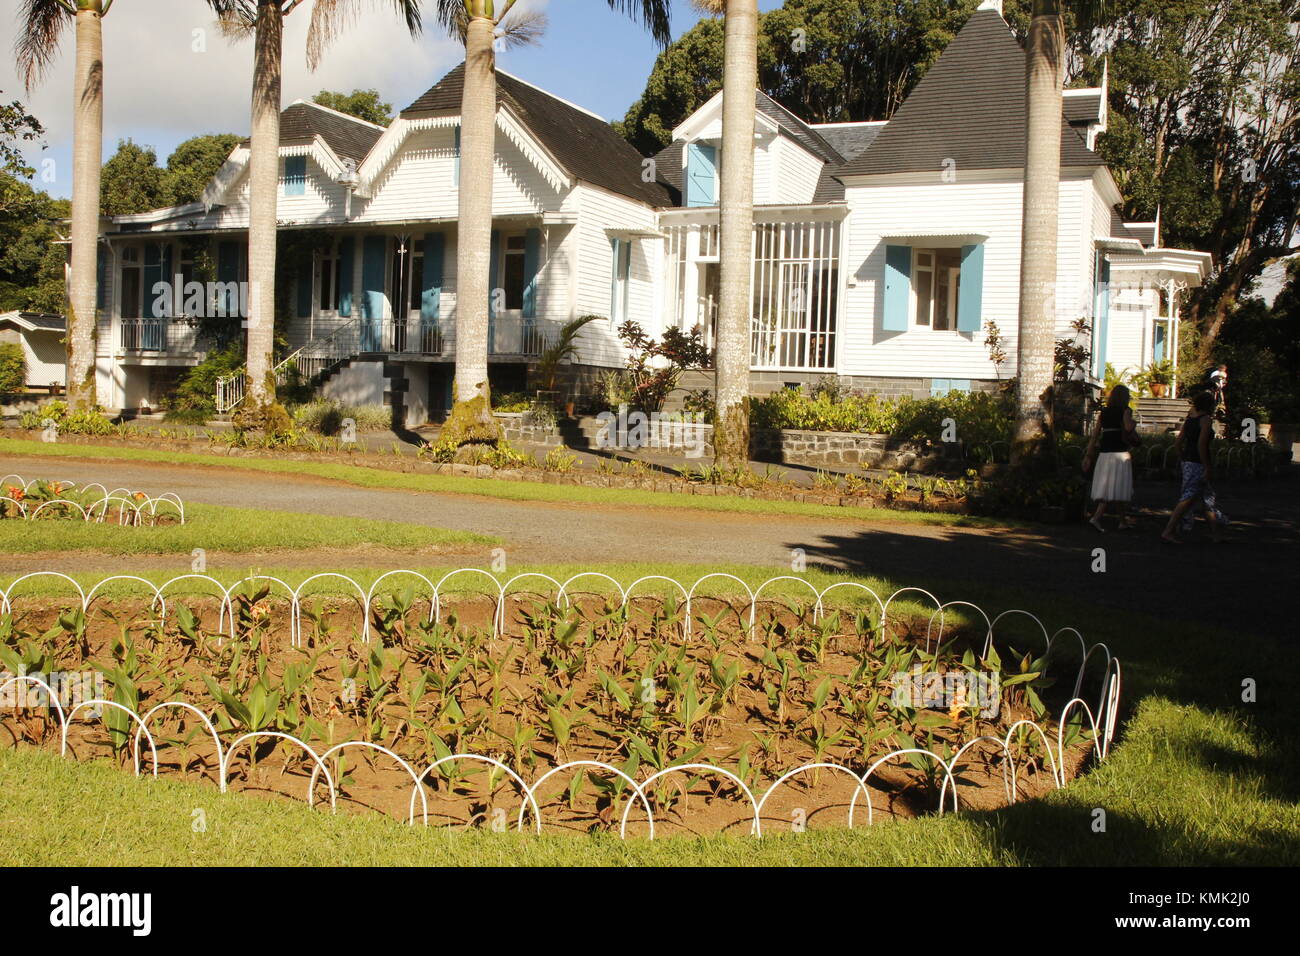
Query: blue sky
{"points": [[168, 76]]}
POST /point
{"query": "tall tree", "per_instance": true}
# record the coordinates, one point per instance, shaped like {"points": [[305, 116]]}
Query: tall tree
{"points": [[363, 104], [827, 60], [1205, 128], [193, 163], [736, 219], [480, 24], [41, 26], [1044, 73], [131, 181], [265, 20]]}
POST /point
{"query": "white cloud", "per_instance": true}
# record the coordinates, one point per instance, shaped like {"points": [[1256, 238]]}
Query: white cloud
{"points": [[159, 91]]}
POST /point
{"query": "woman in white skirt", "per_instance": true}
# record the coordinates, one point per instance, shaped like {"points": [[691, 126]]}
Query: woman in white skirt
{"points": [[1113, 434]]}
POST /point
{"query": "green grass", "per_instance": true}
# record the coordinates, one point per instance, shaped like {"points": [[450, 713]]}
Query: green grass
{"points": [[1198, 777], [1165, 801], [364, 477], [235, 530]]}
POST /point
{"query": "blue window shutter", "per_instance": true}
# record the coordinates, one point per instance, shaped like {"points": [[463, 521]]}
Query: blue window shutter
{"points": [[101, 278], [228, 272], [898, 288], [532, 259], [431, 298], [616, 245], [455, 168], [295, 175], [374, 258], [345, 277], [153, 274], [971, 297], [1103, 318], [305, 277], [701, 175], [492, 272], [169, 276]]}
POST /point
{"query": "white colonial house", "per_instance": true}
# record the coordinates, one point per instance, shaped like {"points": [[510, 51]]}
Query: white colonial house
{"points": [[881, 249]]}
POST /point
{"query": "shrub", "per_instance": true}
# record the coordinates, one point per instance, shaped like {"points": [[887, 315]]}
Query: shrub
{"points": [[511, 401], [13, 367], [91, 422], [326, 417], [789, 408], [981, 418], [195, 397]]}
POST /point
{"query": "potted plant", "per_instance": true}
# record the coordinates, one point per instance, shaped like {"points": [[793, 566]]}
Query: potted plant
{"points": [[562, 349], [1158, 377]]}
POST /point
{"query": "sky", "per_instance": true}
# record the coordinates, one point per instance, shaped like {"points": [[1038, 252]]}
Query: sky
{"points": [[169, 75]]}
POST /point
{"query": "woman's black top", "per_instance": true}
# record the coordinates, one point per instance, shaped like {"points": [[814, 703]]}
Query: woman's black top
{"points": [[1112, 429], [1192, 439]]}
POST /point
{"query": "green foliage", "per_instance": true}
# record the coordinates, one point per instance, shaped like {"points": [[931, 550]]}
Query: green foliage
{"points": [[131, 181], [363, 104], [326, 417], [31, 259], [195, 397], [791, 408], [858, 60], [654, 367], [192, 165], [89, 422], [561, 350], [13, 367], [16, 126]]}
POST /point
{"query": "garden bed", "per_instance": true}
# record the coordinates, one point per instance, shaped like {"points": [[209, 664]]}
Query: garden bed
{"points": [[621, 686]]}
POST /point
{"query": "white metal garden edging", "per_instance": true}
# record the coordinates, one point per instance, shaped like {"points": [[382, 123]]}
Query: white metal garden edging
{"points": [[122, 495]]}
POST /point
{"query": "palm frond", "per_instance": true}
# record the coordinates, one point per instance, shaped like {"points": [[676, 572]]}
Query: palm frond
{"points": [[330, 19], [654, 14], [451, 16], [41, 24], [710, 8], [522, 29]]}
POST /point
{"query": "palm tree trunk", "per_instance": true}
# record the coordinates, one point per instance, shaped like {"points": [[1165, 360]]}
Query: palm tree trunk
{"points": [[740, 79], [264, 186], [87, 155], [1034, 344], [472, 414]]}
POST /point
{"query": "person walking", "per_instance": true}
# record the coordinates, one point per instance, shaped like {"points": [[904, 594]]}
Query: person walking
{"points": [[1109, 458], [1197, 492]]}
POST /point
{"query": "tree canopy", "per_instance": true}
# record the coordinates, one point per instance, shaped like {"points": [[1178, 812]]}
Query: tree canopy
{"points": [[363, 104], [133, 181]]}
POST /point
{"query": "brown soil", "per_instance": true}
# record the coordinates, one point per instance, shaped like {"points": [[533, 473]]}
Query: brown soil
{"points": [[542, 653]]}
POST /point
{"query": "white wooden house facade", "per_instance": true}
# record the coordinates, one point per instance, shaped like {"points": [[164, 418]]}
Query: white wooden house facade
{"points": [[881, 250]]}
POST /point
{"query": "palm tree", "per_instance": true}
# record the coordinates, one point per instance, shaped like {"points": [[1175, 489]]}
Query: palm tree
{"points": [[736, 218], [479, 23], [1044, 63], [265, 20], [41, 27]]}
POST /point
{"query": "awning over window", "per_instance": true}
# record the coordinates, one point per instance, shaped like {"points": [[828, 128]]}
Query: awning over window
{"points": [[953, 238]]}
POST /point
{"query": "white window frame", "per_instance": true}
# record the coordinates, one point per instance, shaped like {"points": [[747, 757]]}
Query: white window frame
{"points": [[620, 281], [954, 286]]}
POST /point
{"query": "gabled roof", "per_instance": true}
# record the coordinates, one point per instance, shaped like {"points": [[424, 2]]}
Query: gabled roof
{"points": [[1082, 108], [583, 143], [350, 138], [35, 321], [969, 108], [807, 137]]}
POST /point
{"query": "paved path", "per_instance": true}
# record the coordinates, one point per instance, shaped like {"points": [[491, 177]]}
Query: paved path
{"points": [[1255, 569]]}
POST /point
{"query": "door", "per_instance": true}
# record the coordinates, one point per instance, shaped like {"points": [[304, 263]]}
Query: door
{"points": [[508, 337]]}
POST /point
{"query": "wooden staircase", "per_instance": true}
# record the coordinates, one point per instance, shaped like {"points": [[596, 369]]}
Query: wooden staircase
{"points": [[1160, 414]]}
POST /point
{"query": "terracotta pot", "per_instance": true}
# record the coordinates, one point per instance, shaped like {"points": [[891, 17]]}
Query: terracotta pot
{"points": [[1158, 390]]}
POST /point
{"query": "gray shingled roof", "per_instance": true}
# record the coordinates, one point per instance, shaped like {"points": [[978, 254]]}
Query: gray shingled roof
{"points": [[969, 107], [668, 166], [1082, 110], [350, 138], [585, 145], [37, 321], [807, 137], [850, 142]]}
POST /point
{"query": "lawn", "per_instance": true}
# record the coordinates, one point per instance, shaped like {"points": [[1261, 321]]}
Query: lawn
{"points": [[364, 477], [1197, 777], [222, 529]]}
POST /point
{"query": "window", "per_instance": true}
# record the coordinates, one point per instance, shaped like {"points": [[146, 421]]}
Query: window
{"points": [[329, 279], [619, 283], [131, 277], [416, 292], [295, 175], [936, 283], [512, 271]]}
